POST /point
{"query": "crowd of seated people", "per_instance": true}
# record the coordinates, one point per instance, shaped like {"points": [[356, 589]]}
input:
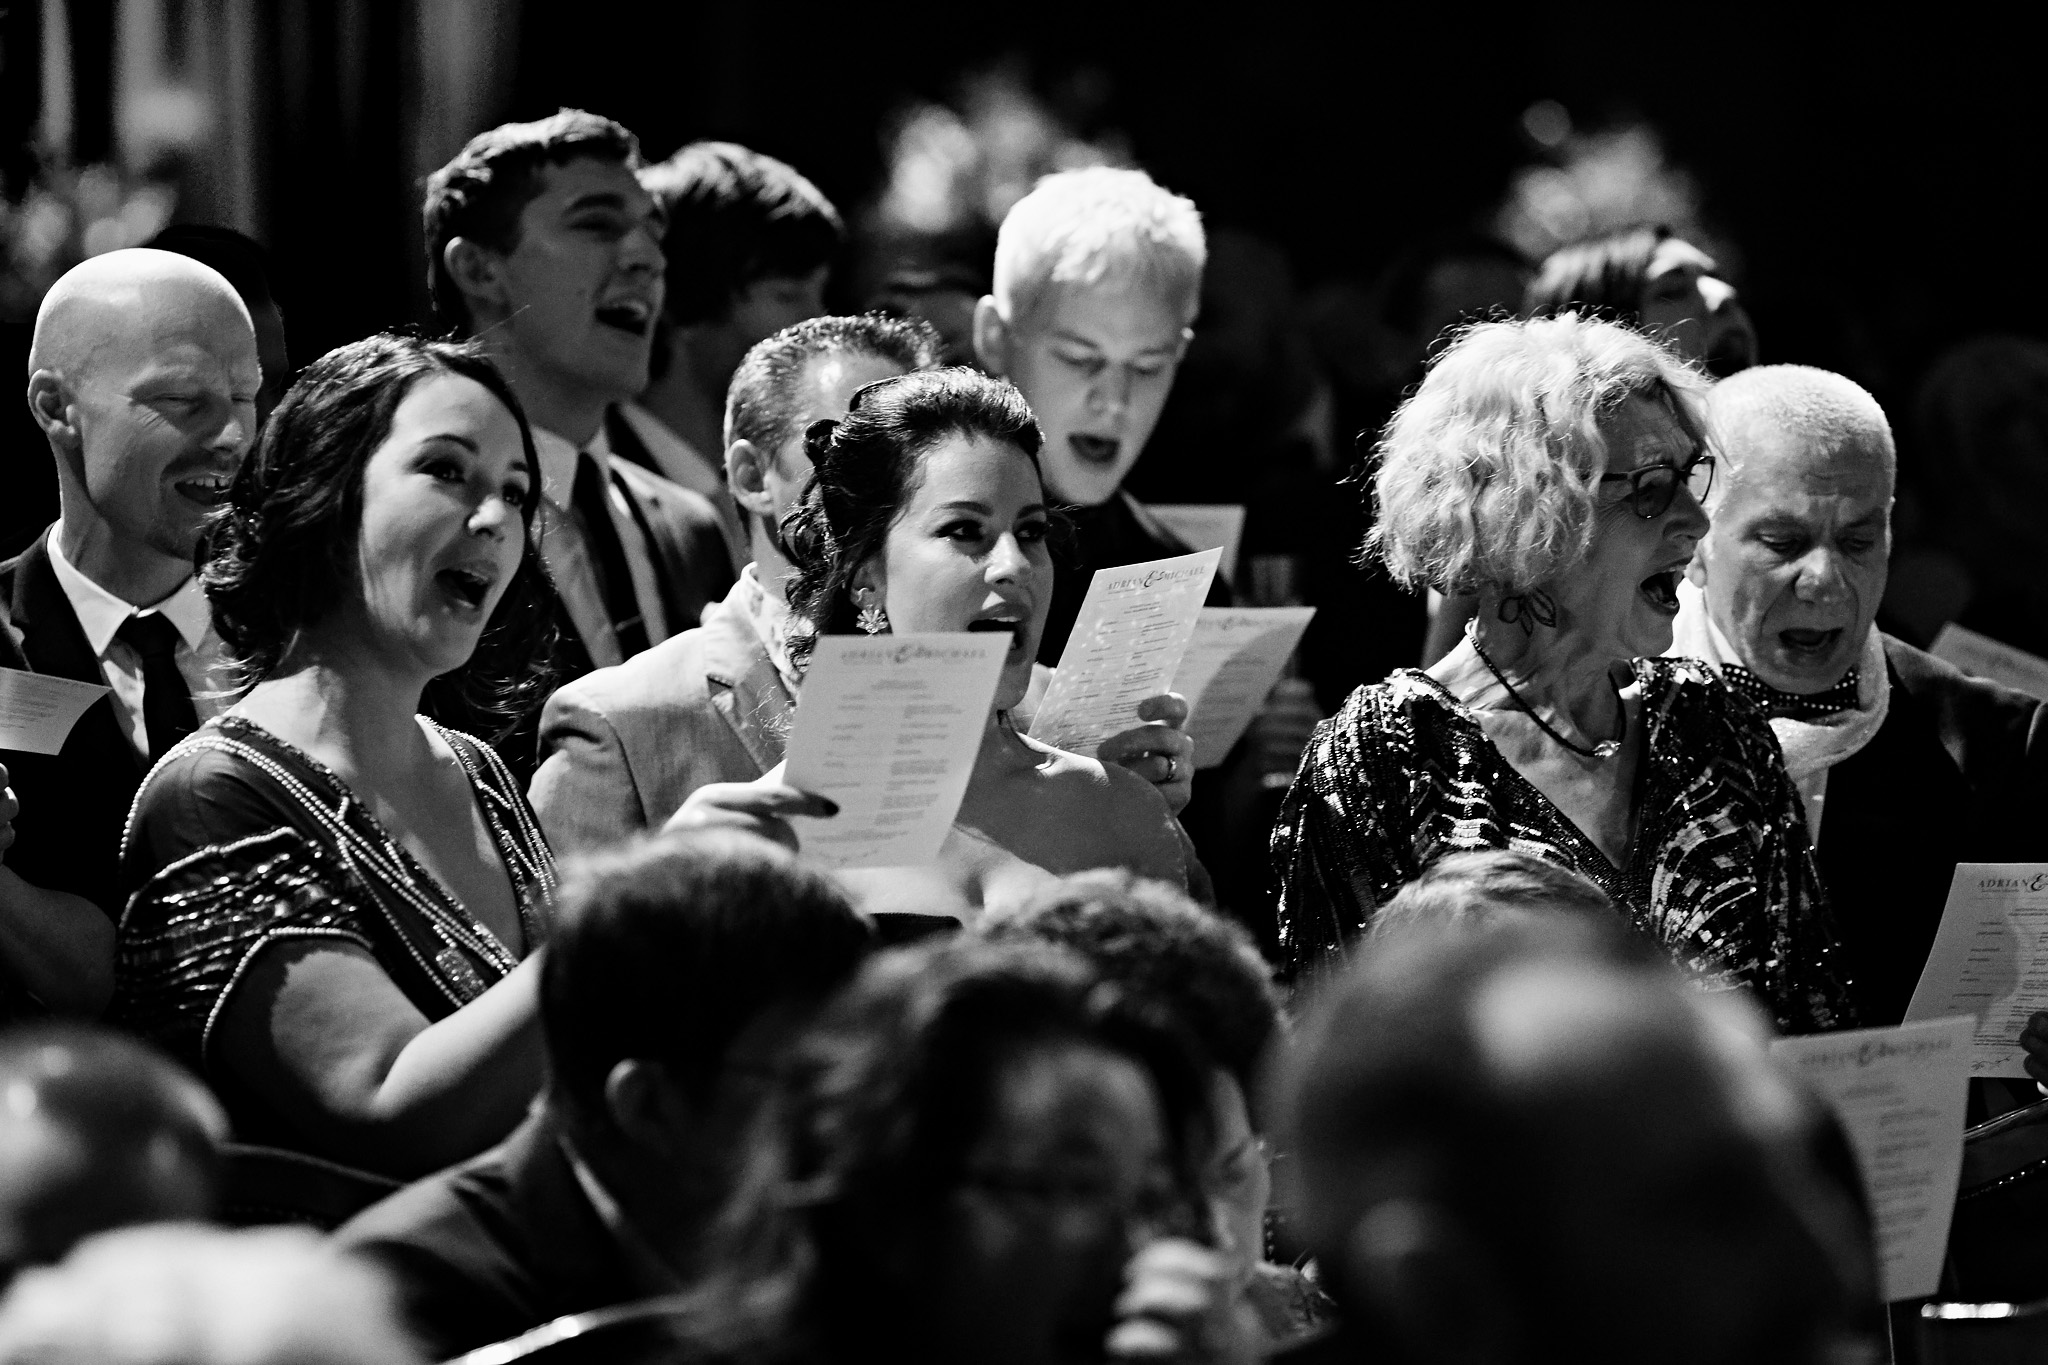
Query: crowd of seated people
{"points": [[430, 872]]}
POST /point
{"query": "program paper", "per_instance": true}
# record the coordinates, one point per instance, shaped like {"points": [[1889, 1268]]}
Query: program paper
{"points": [[37, 711], [889, 727], [1990, 960], [1899, 1093], [1232, 662], [1134, 626]]}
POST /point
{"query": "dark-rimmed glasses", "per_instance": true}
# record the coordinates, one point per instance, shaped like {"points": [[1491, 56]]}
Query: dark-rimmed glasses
{"points": [[1653, 487]]}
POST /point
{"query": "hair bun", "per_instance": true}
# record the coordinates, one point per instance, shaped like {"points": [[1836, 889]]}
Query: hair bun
{"points": [[806, 531], [818, 438]]}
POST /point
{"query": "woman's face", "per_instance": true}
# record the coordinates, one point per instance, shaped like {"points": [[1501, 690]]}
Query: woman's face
{"points": [[969, 553], [441, 530], [1624, 596], [1070, 1175], [1235, 1175], [1694, 311]]}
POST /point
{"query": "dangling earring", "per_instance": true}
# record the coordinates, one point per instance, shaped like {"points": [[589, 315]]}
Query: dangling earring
{"points": [[872, 618]]}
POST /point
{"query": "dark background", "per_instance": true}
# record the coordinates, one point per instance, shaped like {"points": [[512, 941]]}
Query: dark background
{"points": [[1879, 178]]}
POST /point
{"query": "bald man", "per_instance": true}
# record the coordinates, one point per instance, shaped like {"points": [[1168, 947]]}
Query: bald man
{"points": [[1905, 765], [143, 375]]}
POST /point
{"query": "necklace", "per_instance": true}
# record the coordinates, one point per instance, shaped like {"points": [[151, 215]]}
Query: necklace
{"points": [[1606, 748]]}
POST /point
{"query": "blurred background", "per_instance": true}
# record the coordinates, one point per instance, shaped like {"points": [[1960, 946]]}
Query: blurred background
{"points": [[1871, 189]]}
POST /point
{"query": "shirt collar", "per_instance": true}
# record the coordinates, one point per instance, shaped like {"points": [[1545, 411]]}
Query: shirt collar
{"points": [[769, 615], [558, 461], [648, 1265], [101, 614]]}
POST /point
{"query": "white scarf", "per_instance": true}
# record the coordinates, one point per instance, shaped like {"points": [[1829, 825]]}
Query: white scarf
{"points": [[1811, 746]]}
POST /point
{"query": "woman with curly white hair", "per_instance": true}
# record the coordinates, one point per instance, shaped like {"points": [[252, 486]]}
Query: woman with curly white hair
{"points": [[1554, 469]]}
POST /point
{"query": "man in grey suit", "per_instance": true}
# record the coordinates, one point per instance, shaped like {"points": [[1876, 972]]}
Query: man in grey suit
{"points": [[621, 747]]}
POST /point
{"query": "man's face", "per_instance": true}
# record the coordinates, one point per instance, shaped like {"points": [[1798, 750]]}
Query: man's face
{"points": [[584, 284], [759, 311], [1687, 305], [166, 410], [1794, 564], [1095, 362]]}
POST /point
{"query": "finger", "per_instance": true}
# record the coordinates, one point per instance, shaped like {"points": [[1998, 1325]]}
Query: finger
{"points": [[787, 801], [1166, 1295], [10, 805], [2037, 1069], [1168, 708], [1143, 1339]]}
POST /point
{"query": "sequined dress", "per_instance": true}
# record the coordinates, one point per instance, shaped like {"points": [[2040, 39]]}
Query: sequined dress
{"points": [[1720, 873], [238, 840]]}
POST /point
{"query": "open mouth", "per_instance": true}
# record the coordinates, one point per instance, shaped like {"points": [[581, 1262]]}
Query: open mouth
{"points": [[1661, 589], [208, 490], [1100, 451], [627, 315], [1810, 644], [1013, 626], [466, 586]]}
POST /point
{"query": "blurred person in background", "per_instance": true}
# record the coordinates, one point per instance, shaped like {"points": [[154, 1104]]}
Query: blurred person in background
{"points": [[543, 246], [143, 376], [1204, 970], [337, 901], [622, 747], [1552, 469], [750, 244], [925, 512], [56, 948], [244, 264], [97, 1132], [1904, 766], [1472, 892], [977, 1154], [682, 966], [184, 1295], [1520, 1143]]}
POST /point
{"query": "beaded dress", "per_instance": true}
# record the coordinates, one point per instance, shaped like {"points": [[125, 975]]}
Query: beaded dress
{"points": [[1720, 873], [238, 840]]}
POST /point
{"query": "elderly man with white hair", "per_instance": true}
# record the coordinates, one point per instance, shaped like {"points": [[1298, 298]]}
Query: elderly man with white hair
{"points": [[1904, 765]]}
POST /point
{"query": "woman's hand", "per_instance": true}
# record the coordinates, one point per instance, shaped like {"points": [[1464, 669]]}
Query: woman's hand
{"points": [[1181, 1303], [2034, 1038], [762, 807], [9, 808], [1157, 750]]}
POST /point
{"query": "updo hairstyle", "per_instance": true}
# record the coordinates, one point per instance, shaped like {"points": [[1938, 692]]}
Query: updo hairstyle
{"points": [[864, 471]]}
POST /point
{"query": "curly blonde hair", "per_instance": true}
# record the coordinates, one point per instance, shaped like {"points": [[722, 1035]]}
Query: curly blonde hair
{"points": [[1487, 473]]}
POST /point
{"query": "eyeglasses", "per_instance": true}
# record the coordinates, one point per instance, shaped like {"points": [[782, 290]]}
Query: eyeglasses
{"points": [[1653, 487]]}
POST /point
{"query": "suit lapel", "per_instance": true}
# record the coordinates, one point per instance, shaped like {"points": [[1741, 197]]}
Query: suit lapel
{"points": [[744, 685], [54, 643]]}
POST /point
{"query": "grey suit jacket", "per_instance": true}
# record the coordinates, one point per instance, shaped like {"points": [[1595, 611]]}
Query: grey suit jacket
{"points": [[621, 747]]}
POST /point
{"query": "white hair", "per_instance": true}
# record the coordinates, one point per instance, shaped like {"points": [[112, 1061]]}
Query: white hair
{"points": [[1818, 409], [1082, 227]]}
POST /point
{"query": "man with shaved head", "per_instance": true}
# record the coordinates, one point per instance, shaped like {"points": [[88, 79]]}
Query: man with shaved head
{"points": [[1905, 765], [143, 375], [1523, 1142]]}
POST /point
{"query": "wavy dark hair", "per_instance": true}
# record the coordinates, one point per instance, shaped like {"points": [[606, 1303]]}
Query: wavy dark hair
{"points": [[874, 1120], [1602, 276], [277, 557], [865, 469]]}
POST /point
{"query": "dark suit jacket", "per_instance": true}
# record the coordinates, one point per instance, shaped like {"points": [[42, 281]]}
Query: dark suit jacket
{"points": [[73, 805], [1958, 772], [621, 747], [496, 1246]]}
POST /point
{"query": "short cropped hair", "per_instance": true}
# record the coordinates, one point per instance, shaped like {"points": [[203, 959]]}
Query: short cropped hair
{"points": [[1816, 407], [671, 947], [761, 402], [1087, 226], [1487, 473], [736, 216], [1155, 944], [482, 192], [1476, 890], [1602, 276]]}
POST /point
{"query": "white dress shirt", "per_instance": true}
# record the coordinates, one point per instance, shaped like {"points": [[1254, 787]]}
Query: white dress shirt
{"points": [[198, 655], [568, 556]]}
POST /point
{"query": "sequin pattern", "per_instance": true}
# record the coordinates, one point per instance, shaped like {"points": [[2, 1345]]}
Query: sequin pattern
{"points": [[1721, 873]]}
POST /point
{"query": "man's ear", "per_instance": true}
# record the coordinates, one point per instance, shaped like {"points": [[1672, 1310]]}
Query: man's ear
{"points": [[746, 473], [478, 272], [992, 337], [50, 403], [1411, 1266], [645, 1105]]}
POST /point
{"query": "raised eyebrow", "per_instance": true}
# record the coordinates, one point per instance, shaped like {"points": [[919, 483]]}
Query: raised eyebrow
{"points": [[456, 438], [597, 199]]}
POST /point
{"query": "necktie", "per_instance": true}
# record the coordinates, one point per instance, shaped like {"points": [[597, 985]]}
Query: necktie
{"points": [[1795, 705], [615, 579], [167, 714]]}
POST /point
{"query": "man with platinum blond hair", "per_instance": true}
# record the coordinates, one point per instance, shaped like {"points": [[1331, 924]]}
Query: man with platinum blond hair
{"points": [[1904, 765]]}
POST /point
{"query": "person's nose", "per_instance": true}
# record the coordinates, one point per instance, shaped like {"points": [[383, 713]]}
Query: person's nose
{"points": [[1717, 294], [1008, 563], [1110, 394], [495, 517], [640, 250], [1820, 576], [1688, 520]]}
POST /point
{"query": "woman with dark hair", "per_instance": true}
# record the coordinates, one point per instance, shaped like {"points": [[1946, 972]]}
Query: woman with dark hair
{"points": [[1650, 278], [978, 1154], [926, 512], [338, 900]]}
